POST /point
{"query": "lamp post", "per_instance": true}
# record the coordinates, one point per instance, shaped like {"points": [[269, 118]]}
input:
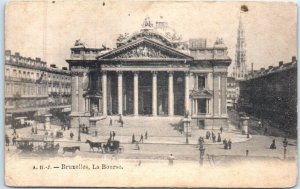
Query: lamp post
{"points": [[186, 124], [79, 138], [187, 136]]}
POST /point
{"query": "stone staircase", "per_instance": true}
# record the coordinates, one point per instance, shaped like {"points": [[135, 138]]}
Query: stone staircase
{"points": [[155, 126]]}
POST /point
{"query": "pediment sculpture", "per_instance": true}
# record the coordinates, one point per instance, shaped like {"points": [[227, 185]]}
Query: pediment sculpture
{"points": [[144, 51]]}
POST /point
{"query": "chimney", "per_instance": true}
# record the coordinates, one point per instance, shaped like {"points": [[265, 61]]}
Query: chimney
{"points": [[64, 68], [17, 54], [7, 52], [280, 63], [252, 68], [294, 59]]}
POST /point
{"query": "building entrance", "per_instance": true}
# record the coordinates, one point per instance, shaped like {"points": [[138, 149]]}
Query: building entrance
{"points": [[147, 103]]}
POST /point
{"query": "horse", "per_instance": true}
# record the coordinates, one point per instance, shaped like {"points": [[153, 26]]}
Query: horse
{"points": [[72, 149], [95, 145]]}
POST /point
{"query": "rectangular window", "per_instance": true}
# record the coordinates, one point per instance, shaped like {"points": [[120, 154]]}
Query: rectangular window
{"points": [[202, 106], [7, 72], [201, 82]]}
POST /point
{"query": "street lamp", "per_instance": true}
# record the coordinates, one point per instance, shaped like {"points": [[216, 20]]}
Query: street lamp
{"points": [[79, 127], [186, 124]]}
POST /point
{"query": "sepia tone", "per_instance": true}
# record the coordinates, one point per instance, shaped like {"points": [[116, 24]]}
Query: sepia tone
{"points": [[150, 94]]}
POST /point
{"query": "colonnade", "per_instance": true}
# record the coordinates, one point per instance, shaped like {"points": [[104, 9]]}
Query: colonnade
{"points": [[136, 92]]}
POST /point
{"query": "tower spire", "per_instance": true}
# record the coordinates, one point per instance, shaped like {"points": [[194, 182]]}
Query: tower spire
{"points": [[240, 67]]}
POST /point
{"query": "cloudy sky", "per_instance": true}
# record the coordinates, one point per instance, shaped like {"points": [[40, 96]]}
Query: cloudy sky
{"points": [[48, 30]]}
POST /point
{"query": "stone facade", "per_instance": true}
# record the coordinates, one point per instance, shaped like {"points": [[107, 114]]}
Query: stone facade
{"points": [[271, 94], [151, 72], [31, 86], [232, 92]]}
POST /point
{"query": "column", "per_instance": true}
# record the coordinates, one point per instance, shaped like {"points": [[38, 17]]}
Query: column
{"points": [[196, 106], [120, 93], [171, 95], [186, 93], [85, 105], [136, 93], [154, 93], [104, 93]]}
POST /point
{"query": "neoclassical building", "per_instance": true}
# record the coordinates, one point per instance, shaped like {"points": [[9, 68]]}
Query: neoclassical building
{"points": [[152, 72]]}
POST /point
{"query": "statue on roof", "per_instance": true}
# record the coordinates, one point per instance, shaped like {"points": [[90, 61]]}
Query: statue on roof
{"points": [[78, 42], [147, 23], [219, 41], [123, 36]]}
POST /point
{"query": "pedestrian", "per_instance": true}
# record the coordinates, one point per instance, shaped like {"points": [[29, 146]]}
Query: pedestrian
{"points": [[273, 145], [142, 138], [110, 122], [14, 140], [207, 135], [229, 144], [83, 128], [146, 135], [285, 142], [15, 131], [87, 130], [133, 138], [32, 130], [137, 147], [266, 131], [221, 129], [247, 152], [6, 140], [71, 135], [110, 135], [122, 122], [113, 135], [64, 127], [35, 130], [171, 159], [44, 126], [219, 137], [225, 144], [213, 137], [96, 133]]}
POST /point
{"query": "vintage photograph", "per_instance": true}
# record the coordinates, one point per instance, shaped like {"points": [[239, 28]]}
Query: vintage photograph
{"points": [[150, 94]]}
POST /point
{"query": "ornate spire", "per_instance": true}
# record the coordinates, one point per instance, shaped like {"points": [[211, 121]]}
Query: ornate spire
{"points": [[240, 67]]}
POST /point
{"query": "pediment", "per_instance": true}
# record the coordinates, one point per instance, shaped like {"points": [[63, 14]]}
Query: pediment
{"points": [[204, 93], [144, 49]]}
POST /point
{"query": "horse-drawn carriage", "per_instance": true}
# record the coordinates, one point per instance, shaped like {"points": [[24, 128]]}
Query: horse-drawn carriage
{"points": [[37, 145], [111, 146]]}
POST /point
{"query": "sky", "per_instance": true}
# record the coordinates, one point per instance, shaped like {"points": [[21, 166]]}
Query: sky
{"points": [[49, 29]]}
